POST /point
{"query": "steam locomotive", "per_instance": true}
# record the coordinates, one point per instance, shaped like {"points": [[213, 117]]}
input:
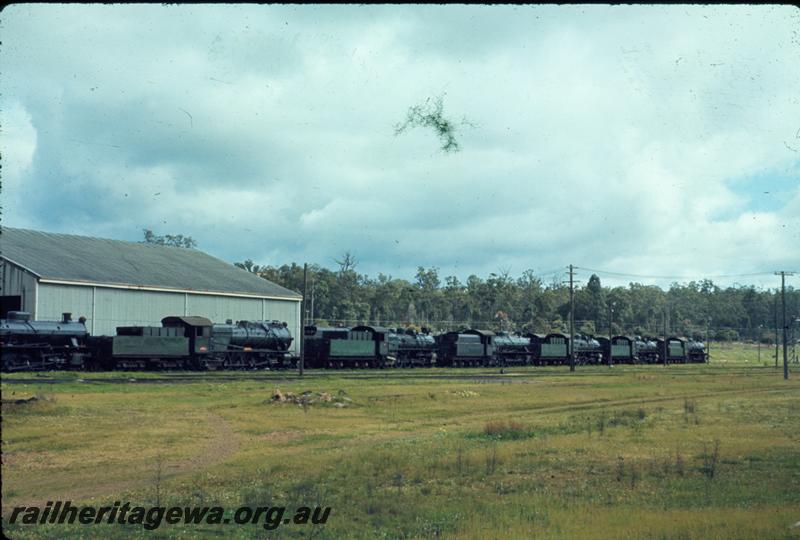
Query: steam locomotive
{"points": [[368, 346], [180, 343], [42, 345], [411, 348]]}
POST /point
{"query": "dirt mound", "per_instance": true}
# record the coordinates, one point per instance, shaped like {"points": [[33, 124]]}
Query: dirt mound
{"points": [[308, 398], [20, 401]]}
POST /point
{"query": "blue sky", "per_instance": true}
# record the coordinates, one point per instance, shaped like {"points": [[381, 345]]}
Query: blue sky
{"points": [[636, 139]]}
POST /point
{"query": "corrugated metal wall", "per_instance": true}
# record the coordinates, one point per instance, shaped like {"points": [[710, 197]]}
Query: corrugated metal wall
{"points": [[18, 282], [120, 307], [220, 308], [57, 299], [106, 308]]}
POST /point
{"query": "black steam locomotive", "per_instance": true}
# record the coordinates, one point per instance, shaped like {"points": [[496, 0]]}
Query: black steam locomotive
{"points": [[411, 348], [42, 345], [180, 343]]}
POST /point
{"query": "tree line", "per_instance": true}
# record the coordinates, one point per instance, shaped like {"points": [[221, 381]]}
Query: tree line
{"points": [[526, 303], [697, 309]]}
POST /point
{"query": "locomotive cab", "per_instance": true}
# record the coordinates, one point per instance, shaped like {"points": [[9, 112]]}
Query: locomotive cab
{"points": [[196, 329]]}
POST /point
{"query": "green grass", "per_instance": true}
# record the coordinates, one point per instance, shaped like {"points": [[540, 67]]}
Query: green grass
{"points": [[683, 451]]}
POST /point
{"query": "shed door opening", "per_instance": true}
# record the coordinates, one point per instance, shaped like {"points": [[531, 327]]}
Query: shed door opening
{"points": [[9, 303]]}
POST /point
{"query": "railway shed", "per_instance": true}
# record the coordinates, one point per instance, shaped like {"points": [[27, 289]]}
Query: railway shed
{"points": [[119, 283]]}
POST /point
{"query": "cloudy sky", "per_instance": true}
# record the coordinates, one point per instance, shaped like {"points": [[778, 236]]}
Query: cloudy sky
{"points": [[654, 141]]}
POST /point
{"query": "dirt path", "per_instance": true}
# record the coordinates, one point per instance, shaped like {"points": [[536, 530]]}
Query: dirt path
{"points": [[223, 445], [593, 404]]}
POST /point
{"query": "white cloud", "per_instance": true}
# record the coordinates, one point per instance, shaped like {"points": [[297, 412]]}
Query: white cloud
{"points": [[611, 137], [17, 144]]}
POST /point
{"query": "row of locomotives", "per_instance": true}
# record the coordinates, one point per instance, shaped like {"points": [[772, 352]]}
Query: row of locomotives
{"points": [[357, 347], [42, 345], [512, 350], [467, 348], [412, 349]]}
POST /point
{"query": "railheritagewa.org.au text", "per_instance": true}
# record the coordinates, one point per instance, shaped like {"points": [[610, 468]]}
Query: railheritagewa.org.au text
{"points": [[268, 517]]}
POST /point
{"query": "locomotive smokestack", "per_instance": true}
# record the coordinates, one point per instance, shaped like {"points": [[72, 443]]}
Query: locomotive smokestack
{"points": [[66, 317]]}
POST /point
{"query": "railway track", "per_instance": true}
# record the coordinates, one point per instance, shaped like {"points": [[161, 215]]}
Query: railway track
{"points": [[505, 376]]}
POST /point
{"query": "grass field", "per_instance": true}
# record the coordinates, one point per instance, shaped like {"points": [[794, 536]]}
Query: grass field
{"points": [[683, 451]]}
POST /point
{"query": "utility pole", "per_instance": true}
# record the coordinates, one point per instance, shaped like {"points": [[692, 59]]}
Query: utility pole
{"points": [[303, 321], [571, 321], [783, 275], [708, 340]]}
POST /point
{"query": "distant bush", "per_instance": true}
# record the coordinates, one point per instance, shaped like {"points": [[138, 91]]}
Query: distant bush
{"points": [[726, 334], [498, 429], [768, 338]]}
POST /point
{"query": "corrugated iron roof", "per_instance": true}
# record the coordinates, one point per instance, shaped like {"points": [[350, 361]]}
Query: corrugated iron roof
{"points": [[86, 259]]}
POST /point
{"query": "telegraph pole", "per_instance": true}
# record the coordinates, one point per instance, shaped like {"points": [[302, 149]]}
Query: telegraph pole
{"points": [[571, 321], [783, 275], [300, 365]]}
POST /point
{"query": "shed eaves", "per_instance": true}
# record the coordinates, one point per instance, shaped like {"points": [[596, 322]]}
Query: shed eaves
{"points": [[85, 259]]}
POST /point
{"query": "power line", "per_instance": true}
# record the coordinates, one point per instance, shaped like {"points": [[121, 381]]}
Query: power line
{"points": [[622, 274], [549, 273]]}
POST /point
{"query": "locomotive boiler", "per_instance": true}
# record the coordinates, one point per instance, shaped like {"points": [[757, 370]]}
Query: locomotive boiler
{"points": [[250, 344], [412, 349], [512, 349]]}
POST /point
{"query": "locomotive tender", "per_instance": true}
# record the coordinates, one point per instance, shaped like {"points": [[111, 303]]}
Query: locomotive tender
{"points": [[361, 346], [468, 348]]}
